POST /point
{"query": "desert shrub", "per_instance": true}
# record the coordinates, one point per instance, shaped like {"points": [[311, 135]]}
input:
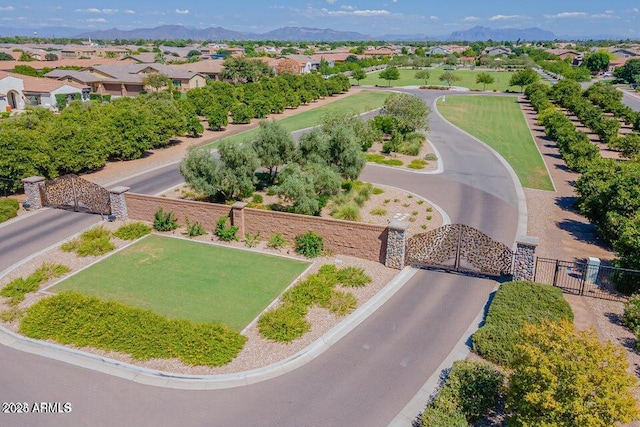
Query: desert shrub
{"points": [[382, 160], [8, 209], [94, 242], [568, 378], [348, 212], [276, 241], [378, 211], [271, 191], [257, 198], [11, 314], [72, 318], [164, 221], [342, 303], [353, 277], [284, 324], [251, 240], [411, 144], [15, 290], [224, 232], [431, 157], [515, 304], [132, 231], [309, 244], [631, 316], [365, 191], [194, 229], [377, 191], [470, 390], [417, 164]]}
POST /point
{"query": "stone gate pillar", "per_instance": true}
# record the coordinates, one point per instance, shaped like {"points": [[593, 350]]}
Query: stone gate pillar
{"points": [[32, 187], [237, 217], [524, 265], [397, 239], [118, 202]]}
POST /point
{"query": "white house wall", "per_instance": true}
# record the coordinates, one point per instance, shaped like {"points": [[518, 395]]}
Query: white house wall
{"points": [[9, 84]]}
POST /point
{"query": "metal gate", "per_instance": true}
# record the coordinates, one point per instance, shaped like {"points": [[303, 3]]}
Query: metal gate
{"points": [[583, 278], [458, 247], [78, 194]]}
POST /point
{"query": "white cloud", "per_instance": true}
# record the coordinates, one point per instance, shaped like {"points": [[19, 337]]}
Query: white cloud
{"points": [[470, 19], [507, 17], [604, 16], [90, 10], [347, 7], [433, 18], [129, 12], [98, 20], [380, 12], [110, 11], [6, 8], [562, 15], [182, 11], [331, 1]]}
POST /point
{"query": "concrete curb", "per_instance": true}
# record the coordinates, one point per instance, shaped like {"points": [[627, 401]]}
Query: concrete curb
{"points": [[461, 350], [522, 201], [207, 382]]}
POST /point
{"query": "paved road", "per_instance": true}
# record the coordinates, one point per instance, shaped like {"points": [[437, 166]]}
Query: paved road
{"points": [[632, 101], [363, 380]]}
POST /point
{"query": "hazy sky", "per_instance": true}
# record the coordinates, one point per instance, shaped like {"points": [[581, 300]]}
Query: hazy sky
{"points": [[374, 17]]}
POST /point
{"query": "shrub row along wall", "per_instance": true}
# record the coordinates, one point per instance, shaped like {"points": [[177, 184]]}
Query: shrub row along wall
{"points": [[348, 238]]}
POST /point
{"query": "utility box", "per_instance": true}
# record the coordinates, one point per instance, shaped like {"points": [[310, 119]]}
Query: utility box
{"points": [[593, 267]]}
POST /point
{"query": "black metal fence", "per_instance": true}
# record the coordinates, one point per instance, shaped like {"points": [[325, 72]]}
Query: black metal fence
{"points": [[588, 278]]}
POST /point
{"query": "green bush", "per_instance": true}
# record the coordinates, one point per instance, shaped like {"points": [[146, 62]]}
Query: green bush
{"points": [[288, 321], [382, 160], [194, 229], [257, 198], [132, 231], [225, 233], [284, 324], [8, 209], [72, 318], [470, 390], [276, 241], [164, 221], [94, 242], [515, 304], [378, 211], [377, 191], [631, 316], [431, 157], [15, 290], [564, 377], [309, 244], [251, 240], [353, 277], [417, 164]]}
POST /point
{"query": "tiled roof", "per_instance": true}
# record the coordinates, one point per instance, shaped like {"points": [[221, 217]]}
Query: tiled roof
{"points": [[207, 66], [40, 85]]}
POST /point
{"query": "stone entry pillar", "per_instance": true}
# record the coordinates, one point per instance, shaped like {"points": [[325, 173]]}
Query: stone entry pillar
{"points": [[524, 265], [397, 239], [237, 217], [32, 187], [118, 202]]}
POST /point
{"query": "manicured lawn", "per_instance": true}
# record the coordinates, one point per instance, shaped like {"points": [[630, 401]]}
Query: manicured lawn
{"points": [[468, 79], [357, 103], [499, 122], [189, 280]]}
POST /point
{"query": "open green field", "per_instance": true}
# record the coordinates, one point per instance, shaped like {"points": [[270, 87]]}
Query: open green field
{"points": [[360, 102], [499, 122], [468, 79], [188, 280]]}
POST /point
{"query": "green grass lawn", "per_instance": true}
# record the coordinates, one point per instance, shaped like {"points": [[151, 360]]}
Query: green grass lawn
{"points": [[189, 280], [468, 79], [499, 122], [357, 103]]}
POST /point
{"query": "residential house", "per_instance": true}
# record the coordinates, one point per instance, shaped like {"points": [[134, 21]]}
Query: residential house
{"points": [[564, 53], [438, 50], [18, 91], [212, 68], [306, 63], [79, 52], [497, 50], [625, 53], [383, 51]]}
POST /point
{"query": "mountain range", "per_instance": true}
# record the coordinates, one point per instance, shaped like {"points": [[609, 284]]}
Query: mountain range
{"points": [[169, 32]]}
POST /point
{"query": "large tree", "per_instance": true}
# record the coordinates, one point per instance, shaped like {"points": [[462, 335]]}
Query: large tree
{"points": [[156, 81], [410, 111], [630, 72], [524, 78], [358, 74], [274, 146], [449, 77], [423, 75], [485, 79], [598, 61], [389, 74]]}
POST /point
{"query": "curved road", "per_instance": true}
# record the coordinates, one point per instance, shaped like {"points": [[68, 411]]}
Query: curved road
{"points": [[365, 379]]}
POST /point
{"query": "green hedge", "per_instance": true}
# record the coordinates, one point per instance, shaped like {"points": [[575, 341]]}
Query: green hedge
{"points": [[471, 389], [72, 318], [515, 304], [132, 231], [287, 322], [8, 209]]}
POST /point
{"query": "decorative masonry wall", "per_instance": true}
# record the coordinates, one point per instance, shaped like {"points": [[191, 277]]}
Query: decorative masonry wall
{"points": [[348, 238], [32, 191], [524, 265], [118, 202]]}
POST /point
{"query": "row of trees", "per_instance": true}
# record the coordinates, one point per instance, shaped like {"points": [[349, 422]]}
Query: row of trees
{"points": [[609, 190], [630, 72]]}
